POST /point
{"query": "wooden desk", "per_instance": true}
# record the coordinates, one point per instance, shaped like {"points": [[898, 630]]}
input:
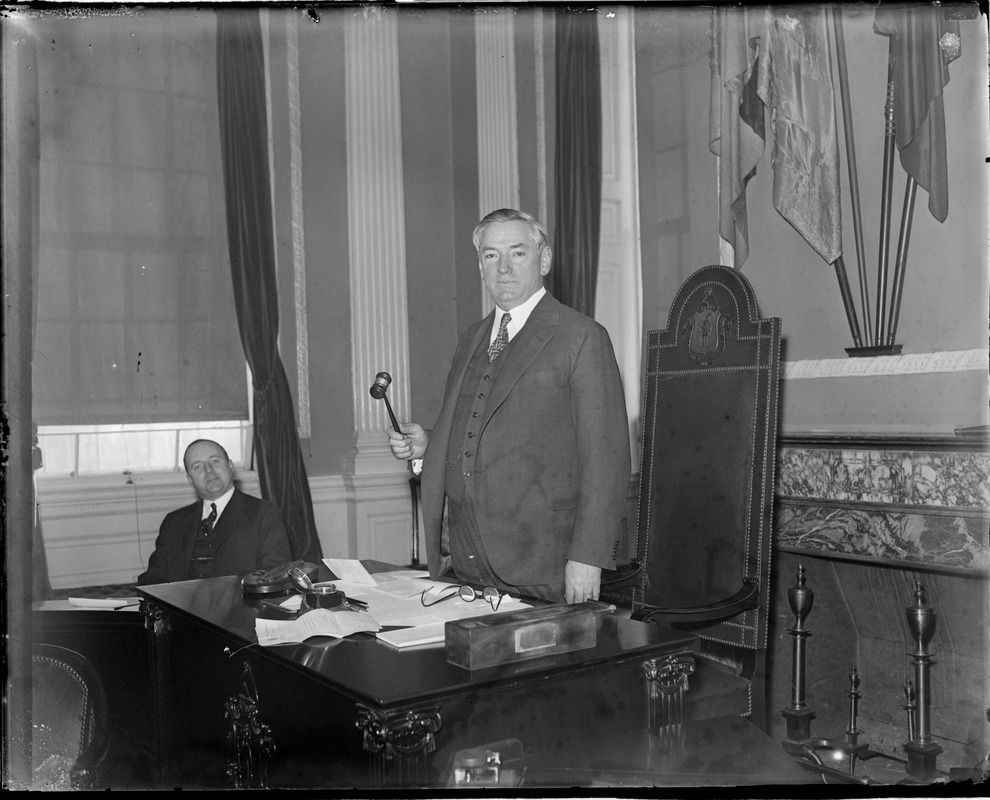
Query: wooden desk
{"points": [[356, 712]]}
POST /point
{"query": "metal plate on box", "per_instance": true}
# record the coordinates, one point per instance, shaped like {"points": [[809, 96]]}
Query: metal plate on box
{"points": [[496, 639]]}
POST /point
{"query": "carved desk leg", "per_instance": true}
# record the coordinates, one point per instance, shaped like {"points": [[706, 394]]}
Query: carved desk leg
{"points": [[667, 682], [156, 623], [251, 743], [400, 745]]}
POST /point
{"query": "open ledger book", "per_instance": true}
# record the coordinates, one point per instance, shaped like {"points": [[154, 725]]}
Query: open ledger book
{"points": [[395, 613]]}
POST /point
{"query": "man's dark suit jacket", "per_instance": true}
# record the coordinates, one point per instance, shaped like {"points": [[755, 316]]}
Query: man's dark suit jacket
{"points": [[248, 536], [552, 458]]}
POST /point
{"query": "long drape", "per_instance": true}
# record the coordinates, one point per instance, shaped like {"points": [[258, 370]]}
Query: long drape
{"points": [[244, 145], [21, 236], [578, 170], [20, 212]]}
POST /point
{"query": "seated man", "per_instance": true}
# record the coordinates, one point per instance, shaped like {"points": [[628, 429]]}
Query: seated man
{"points": [[226, 532]]}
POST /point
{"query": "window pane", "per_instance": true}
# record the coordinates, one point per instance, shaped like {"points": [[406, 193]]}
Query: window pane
{"points": [[119, 449], [58, 454]]}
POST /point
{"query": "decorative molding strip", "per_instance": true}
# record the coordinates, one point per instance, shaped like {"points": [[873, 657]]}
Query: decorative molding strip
{"points": [[879, 366], [884, 535], [902, 477], [298, 237]]}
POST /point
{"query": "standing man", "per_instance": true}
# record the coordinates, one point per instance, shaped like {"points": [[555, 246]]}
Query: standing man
{"points": [[530, 450], [225, 532]]}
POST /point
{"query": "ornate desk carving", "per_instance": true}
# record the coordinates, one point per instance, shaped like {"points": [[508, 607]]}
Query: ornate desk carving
{"points": [[407, 738], [354, 712]]}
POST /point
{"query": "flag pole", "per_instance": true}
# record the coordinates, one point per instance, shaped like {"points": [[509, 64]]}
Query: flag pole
{"points": [[847, 300], [847, 128], [907, 215], [888, 175]]}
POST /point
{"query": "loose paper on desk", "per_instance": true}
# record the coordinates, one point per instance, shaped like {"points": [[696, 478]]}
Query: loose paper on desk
{"points": [[104, 602], [349, 570], [421, 624], [318, 622]]}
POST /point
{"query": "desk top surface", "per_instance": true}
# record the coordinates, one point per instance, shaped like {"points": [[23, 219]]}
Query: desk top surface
{"points": [[373, 672]]}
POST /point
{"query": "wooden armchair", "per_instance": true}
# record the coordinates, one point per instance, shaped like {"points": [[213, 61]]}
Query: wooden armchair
{"points": [[69, 719], [703, 540]]}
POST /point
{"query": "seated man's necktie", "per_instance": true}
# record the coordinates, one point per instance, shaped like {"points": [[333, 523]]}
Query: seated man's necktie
{"points": [[501, 339], [207, 524]]}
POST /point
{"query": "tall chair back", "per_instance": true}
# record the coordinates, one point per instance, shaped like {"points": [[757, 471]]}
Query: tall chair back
{"points": [[703, 541]]}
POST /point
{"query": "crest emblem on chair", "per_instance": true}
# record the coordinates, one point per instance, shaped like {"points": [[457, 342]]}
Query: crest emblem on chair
{"points": [[706, 331]]}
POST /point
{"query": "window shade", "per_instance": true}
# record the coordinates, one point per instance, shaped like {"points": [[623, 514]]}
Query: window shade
{"points": [[136, 319]]}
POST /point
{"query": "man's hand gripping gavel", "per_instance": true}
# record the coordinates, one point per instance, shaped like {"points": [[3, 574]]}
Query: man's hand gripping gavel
{"points": [[407, 442]]}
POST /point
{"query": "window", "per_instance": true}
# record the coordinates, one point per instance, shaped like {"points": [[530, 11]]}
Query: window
{"points": [[137, 350], [82, 450]]}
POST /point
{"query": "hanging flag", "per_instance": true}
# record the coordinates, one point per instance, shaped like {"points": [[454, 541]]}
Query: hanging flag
{"points": [[736, 122], [923, 45], [796, 85]]}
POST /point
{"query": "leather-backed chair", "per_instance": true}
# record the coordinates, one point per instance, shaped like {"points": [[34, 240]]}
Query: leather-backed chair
{"points": [[69, 717], [703, 539]]}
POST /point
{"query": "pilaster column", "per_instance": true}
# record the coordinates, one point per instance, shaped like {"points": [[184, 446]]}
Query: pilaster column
{"points": [[498, 132], [376, 229]]}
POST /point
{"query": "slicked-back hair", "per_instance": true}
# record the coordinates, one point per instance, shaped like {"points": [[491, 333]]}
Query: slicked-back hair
{"points": [[511, 215]]}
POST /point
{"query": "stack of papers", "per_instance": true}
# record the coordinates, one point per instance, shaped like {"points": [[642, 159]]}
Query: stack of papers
{"points": [[410, 623], [395, 613]]}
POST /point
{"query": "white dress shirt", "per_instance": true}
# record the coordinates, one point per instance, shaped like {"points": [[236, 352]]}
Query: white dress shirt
{"points": [[221, 502], [519, 315]]}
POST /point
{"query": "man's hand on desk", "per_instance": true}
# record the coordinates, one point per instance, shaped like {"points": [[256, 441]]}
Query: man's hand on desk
{"points": [[410, 444], [581, 582]]}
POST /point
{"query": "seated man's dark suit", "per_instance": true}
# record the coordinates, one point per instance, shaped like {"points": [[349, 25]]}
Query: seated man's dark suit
{"points": [[249, 535]]}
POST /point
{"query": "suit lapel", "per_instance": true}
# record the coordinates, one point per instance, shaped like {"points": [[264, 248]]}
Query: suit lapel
{"points": [[539, 329], [232, 520], [190, 528]]}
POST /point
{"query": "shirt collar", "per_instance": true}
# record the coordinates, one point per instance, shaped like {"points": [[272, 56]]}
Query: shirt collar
{"points": [[221, 502], [519, 314]]}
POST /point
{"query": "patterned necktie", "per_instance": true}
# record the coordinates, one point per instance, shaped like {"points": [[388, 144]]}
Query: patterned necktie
{"points": [[501, 340], [207, 524]]}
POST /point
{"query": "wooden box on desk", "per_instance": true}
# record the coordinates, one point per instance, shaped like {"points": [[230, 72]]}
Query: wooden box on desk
{"points": [[496, 639]]}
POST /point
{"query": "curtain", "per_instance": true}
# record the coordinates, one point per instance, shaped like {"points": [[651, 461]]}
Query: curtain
{"points": [[244, 145], [19, 205], [132, 279], [578, 168], [21, 167]]}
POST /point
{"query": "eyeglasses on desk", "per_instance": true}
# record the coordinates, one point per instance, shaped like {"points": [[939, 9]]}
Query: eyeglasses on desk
{"points": [[469, 594]]}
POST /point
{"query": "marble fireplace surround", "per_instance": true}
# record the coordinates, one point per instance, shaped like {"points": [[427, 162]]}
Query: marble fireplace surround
{"points": [[868, 518]]}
